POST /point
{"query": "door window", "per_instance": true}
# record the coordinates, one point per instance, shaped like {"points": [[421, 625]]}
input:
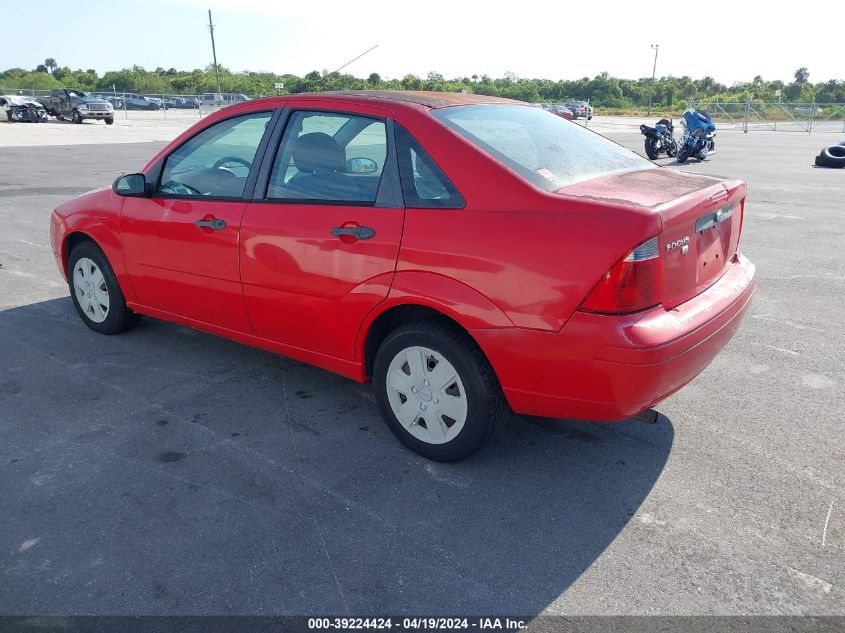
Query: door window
{"points": [[423, 183], [327, 156], [217, 161]]}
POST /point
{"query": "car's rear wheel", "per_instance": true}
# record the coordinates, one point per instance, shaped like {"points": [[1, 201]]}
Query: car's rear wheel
{"points": [[95, 292], [437, 391]]}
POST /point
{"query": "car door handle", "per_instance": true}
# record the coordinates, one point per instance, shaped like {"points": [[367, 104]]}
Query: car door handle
{"points": [[214, 224], [359, 232]]}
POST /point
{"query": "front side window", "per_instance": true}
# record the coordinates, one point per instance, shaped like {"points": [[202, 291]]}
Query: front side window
{"points": [[217, 161], [329, 156], [545, 149]]}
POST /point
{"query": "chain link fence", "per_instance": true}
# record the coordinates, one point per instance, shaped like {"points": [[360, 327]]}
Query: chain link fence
{"points": [[747, 116], [126, 103], [752, 115]]}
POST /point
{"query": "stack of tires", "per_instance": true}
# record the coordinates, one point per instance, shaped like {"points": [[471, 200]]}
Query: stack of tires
{"points": [[832, 156]]}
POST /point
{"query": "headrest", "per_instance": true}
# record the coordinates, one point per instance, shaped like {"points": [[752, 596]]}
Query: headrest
{"points": [[316, 152]]}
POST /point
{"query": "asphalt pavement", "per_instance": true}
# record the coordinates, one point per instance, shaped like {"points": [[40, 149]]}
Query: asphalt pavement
{"points": [[166, 471]]}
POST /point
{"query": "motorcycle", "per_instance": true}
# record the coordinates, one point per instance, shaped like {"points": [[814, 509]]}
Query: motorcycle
{"points": [[660, 139], [699, 135]]}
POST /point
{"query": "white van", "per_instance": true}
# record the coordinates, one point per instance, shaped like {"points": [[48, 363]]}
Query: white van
{"points": [[209, 99]]}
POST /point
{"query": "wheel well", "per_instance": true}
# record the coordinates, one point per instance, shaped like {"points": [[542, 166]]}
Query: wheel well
{"points": [[72, 241], [391, 319]]}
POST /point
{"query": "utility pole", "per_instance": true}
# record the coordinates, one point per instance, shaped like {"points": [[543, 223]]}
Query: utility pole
{"points": [[214, 51], [654, 47]]}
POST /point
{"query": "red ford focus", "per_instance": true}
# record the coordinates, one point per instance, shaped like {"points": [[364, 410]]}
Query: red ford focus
{"points": [[468, 255]]}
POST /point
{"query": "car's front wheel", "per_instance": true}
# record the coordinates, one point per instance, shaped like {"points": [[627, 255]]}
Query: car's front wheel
{"points": [[95, 292], [437, 391]]}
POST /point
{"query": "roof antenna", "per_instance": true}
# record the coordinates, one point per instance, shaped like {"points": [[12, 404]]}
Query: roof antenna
{"points": [[349, 62]]}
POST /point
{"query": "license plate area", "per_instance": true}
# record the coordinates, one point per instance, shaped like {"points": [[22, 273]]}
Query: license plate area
{"points": [[713, 241]]}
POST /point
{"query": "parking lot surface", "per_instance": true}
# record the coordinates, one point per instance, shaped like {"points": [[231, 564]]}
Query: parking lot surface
{"points": [[166, 471]]}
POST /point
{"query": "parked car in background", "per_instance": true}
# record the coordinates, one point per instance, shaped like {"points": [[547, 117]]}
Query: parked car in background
{"points": [[231, 97], [581, 109], [562, 111], [482, 258], [809, 110], [22, 109], [173, 102], [115, 100], [139, 102], [65, 103], [192, 102], [212, 99]]}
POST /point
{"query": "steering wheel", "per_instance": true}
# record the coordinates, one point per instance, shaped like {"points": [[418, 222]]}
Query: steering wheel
{"points": [[231, 159], [180, 188]]}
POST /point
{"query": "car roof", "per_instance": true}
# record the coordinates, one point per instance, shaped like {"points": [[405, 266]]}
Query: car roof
{"points": [[428, 99]]}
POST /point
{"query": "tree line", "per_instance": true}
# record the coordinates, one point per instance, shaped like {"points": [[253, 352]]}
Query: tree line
{"points": [[603, 90]]}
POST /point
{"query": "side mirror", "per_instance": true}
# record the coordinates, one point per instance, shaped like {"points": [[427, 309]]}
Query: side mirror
{"points": [[130, 185], [361, 166]]}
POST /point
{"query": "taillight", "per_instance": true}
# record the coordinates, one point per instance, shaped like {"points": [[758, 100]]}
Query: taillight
{"points": [[632, 284]]}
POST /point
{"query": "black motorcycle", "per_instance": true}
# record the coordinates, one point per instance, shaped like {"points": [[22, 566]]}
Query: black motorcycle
{"points": [[660, 139]]}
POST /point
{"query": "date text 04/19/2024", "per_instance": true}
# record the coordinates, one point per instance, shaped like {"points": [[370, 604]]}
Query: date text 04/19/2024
{"points": [[417, 624]]}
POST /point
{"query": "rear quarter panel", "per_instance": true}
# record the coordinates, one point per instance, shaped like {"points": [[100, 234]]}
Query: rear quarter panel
{"points": [[533, 255]]}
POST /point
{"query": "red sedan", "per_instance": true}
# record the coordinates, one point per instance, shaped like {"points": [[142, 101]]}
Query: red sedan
{"points": [[468, 255]]}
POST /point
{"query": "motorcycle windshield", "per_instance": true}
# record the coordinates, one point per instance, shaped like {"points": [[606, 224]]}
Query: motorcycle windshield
{"points": [[696, 120]]}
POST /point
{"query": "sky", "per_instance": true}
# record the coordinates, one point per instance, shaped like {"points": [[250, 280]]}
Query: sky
{"points": [[731, 41]]}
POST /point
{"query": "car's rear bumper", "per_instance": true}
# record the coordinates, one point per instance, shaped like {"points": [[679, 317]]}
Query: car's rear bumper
{"points": [[608, 368]]}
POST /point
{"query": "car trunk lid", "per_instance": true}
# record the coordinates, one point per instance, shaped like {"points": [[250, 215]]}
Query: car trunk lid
{"points": [[701, 220]]}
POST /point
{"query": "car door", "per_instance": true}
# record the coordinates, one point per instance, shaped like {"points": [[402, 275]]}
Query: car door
{"points": [[181, 244], [319, 246]]}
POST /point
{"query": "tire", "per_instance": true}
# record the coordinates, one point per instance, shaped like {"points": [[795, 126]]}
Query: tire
{"points": [[825, 159], [672, 150], [476, 403], [59, 117], [76, 117], [88, 270], [590, 118], [9, 117], [834, 155], [651, 148], [109, 121], [682, 155]]}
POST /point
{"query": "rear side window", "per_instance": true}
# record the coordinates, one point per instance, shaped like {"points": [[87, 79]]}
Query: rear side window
{"points": [[329, 157], [423, 183], [544, 149]]}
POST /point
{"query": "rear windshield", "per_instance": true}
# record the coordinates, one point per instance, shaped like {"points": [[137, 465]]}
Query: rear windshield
{"points": [[545, 149]]}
